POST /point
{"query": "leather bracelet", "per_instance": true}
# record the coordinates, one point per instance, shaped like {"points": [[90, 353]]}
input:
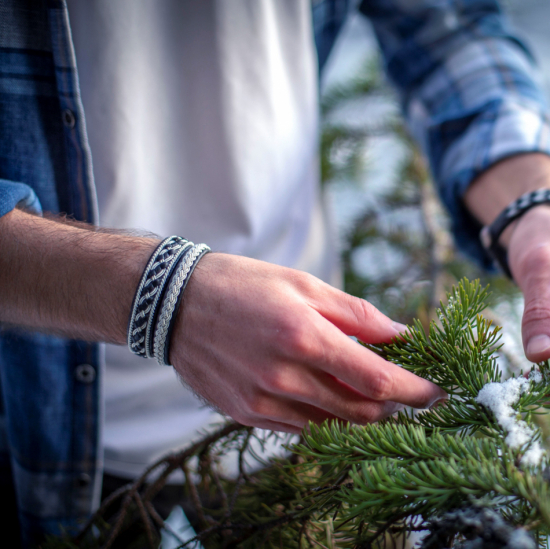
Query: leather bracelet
{"points": [[151, 283], [490, 234]]}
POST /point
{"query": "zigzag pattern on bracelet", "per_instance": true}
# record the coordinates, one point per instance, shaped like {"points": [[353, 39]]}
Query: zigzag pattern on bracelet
{"points": [[152, 282], [158, 295]]}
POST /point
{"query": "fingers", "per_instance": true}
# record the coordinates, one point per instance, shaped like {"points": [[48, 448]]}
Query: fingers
{"points": [[324, 397], [529, 258], [371, 375], [289, 415], [356, 317]]}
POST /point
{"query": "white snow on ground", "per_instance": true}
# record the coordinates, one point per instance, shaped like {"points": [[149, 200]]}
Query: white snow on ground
{"points": [[499, 398]]}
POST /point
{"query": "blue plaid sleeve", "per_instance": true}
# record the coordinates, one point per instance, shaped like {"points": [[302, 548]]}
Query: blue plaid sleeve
{"points": [[469, 92]]}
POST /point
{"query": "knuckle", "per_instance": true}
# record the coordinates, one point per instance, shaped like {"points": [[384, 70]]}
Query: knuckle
{"points": [[304, 282], [294, 339], [279, 381], [259, 406], [536, 310], [381, 385], [362, 310]]}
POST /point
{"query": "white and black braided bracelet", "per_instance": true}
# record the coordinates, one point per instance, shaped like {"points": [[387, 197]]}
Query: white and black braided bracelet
{"points": [[151, 285], [159, 296], [490, 234], [172, 300]]}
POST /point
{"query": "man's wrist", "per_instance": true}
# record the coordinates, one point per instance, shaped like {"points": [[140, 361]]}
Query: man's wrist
{"points": [[496, 188], [491, 192], [528, 247], [508, 219]]}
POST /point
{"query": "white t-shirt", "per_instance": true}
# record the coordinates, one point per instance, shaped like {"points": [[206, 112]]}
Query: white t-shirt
{"points": [[202, 117]]}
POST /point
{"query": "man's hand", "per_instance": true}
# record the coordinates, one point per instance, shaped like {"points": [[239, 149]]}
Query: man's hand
{"points": [[268, 346], [263, 343], [527, 239]]}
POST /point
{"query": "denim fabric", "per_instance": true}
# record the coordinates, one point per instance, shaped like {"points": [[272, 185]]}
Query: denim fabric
{"points": [[17, 194], [50, 386], [469, 96]]}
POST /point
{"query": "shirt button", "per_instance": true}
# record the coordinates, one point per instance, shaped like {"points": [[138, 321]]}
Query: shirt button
{"points": [[69, 118], [85, 373], [83, 480]]}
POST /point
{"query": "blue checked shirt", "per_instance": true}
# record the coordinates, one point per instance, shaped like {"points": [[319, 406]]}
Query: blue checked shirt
{"points": [[468, 89], [470, 97]]}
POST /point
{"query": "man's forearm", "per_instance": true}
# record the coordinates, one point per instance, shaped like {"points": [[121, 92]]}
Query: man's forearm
{"points": [[66, 279]]}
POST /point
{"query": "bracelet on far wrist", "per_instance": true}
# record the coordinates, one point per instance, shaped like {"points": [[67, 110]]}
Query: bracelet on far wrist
{"points": [[490, 234]]}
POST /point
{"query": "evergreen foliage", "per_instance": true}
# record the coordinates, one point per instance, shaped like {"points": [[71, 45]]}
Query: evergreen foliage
{"points": [[355, 484]]}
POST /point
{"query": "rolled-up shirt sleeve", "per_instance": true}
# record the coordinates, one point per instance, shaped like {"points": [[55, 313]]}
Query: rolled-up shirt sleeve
{"points": [[14, 195], [469, 90]]}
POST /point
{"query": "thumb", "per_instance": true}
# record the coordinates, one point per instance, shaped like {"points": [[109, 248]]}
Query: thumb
{"points": [[533, 277]]}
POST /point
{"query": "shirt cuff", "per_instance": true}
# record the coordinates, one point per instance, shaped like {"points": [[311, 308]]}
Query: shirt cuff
{"points": [[17, 194], [504, 129]]}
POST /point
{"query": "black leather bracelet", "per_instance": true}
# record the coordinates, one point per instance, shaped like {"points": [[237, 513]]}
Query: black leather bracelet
{"points": [[490, 234]]}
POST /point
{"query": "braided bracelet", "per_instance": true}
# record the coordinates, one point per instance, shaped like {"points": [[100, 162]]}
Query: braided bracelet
{"points": [[152, 282], [171, 302], [159, 296], [491, 233]]}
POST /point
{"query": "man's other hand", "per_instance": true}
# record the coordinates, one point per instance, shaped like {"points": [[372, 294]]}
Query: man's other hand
{"points": [[529, 260], [527, 239]]}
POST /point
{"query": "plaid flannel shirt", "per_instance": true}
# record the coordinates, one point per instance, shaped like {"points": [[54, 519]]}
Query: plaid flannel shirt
{"points": [[470, 96], [469, 91]]}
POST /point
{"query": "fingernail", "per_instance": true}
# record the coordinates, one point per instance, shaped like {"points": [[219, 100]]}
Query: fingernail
{"points": [[398, 407], [400, 327], [538, 344], [394, 407]]}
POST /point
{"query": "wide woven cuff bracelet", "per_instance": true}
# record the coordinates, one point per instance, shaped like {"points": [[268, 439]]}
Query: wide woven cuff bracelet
{"points": [[152, 282], [491, 233], [172, 300]]}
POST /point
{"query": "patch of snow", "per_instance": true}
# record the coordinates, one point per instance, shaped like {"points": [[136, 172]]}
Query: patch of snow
{"points": [[534, 454], [499, 398], [536, 376], [520, 539]]}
